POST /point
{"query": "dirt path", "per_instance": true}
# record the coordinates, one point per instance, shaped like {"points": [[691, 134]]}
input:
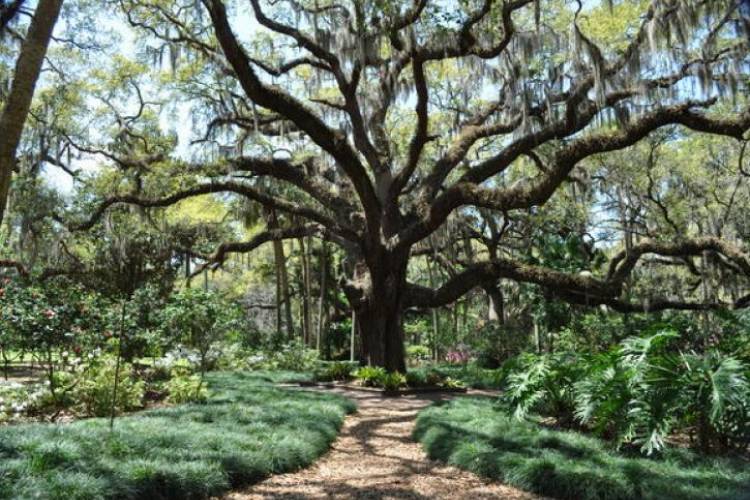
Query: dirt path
{"points": [[375, 457]]}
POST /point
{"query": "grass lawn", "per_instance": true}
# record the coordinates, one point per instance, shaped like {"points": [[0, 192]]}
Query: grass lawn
{"points": [[478, 435], [247, 431]]}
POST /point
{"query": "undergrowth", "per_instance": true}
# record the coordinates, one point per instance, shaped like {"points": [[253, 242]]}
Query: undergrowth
{"points": [[245, 431], [481, 436]]}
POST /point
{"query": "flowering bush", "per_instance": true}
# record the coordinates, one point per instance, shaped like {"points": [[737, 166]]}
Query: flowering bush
{"points": [[14, 401], [459, 356], [292, 356], [183, 354]]}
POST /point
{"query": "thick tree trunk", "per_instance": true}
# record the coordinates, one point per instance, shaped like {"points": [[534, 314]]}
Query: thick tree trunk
{"points": [[28, 67], [380, 313]]}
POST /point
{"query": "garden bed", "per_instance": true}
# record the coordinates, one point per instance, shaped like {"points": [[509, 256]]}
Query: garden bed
{"points": [[391, 393], [481, 436], [247, 430]]}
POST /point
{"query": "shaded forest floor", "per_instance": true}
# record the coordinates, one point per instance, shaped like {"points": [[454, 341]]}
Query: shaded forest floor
{"points": [[375, 457]]}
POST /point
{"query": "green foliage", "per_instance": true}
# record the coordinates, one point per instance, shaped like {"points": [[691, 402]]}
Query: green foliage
{"points": [[451, 383], [418, 353], [544, 383], [370, 376], [392, 381], [480, 436], [292, 356], [52, 317], [94, 390], [186, 389], [639, 393], [431, 377], [197, 318], [246, 431], [423, 377], [337, 370]]}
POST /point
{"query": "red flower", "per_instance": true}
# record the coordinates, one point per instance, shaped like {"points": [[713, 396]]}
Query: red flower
{"points": [[49, 313], [77, 349]]}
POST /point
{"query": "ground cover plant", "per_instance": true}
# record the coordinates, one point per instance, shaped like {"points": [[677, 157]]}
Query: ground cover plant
{"points": [[246, 430], [484, 437]]}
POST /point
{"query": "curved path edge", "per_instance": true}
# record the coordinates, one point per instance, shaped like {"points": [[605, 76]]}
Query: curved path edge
{"points": [[375, 457]]}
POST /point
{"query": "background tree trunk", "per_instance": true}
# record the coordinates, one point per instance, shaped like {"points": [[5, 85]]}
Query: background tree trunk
{"points": [[496, 304], [306, 293], [321, 301], [282, 275]]}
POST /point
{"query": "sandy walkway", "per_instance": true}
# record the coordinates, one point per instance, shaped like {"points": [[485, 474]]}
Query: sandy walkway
{"points": [[374, 457]]}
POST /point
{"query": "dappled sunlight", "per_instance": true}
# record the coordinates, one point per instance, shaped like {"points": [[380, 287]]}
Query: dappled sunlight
{"points": [[375, 457]]}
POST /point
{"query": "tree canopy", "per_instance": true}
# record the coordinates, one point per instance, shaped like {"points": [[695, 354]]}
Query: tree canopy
{"points": [[595, 150]]}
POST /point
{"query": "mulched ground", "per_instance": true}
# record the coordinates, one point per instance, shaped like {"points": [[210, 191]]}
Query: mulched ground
{"points": [[375, 457]]}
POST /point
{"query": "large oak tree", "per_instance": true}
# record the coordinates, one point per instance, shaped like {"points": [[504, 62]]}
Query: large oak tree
{"points": [[386, 119]]}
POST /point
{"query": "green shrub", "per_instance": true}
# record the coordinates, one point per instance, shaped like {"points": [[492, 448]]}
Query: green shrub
{"points": [[416, 378], [544, 383], [451, 383], [186, 389], [639, 393], [370, 376], [418, 353], [294, 356], [184, 386], [424, 377], [392, 381], [93, 393], [338, 370]]}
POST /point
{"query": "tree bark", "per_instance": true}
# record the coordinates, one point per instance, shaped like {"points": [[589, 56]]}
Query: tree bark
{"points": [[28, 68], [282, 276], [306, 293], [496, 304], [379, 313], [321, 301]]}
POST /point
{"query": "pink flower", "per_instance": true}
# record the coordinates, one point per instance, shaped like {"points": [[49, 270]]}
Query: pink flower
{"points": [[49, 314], [458, 357]]}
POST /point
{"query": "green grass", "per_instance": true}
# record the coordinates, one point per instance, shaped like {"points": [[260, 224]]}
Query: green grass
{"points": [[247, 431], [479, 435]]}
